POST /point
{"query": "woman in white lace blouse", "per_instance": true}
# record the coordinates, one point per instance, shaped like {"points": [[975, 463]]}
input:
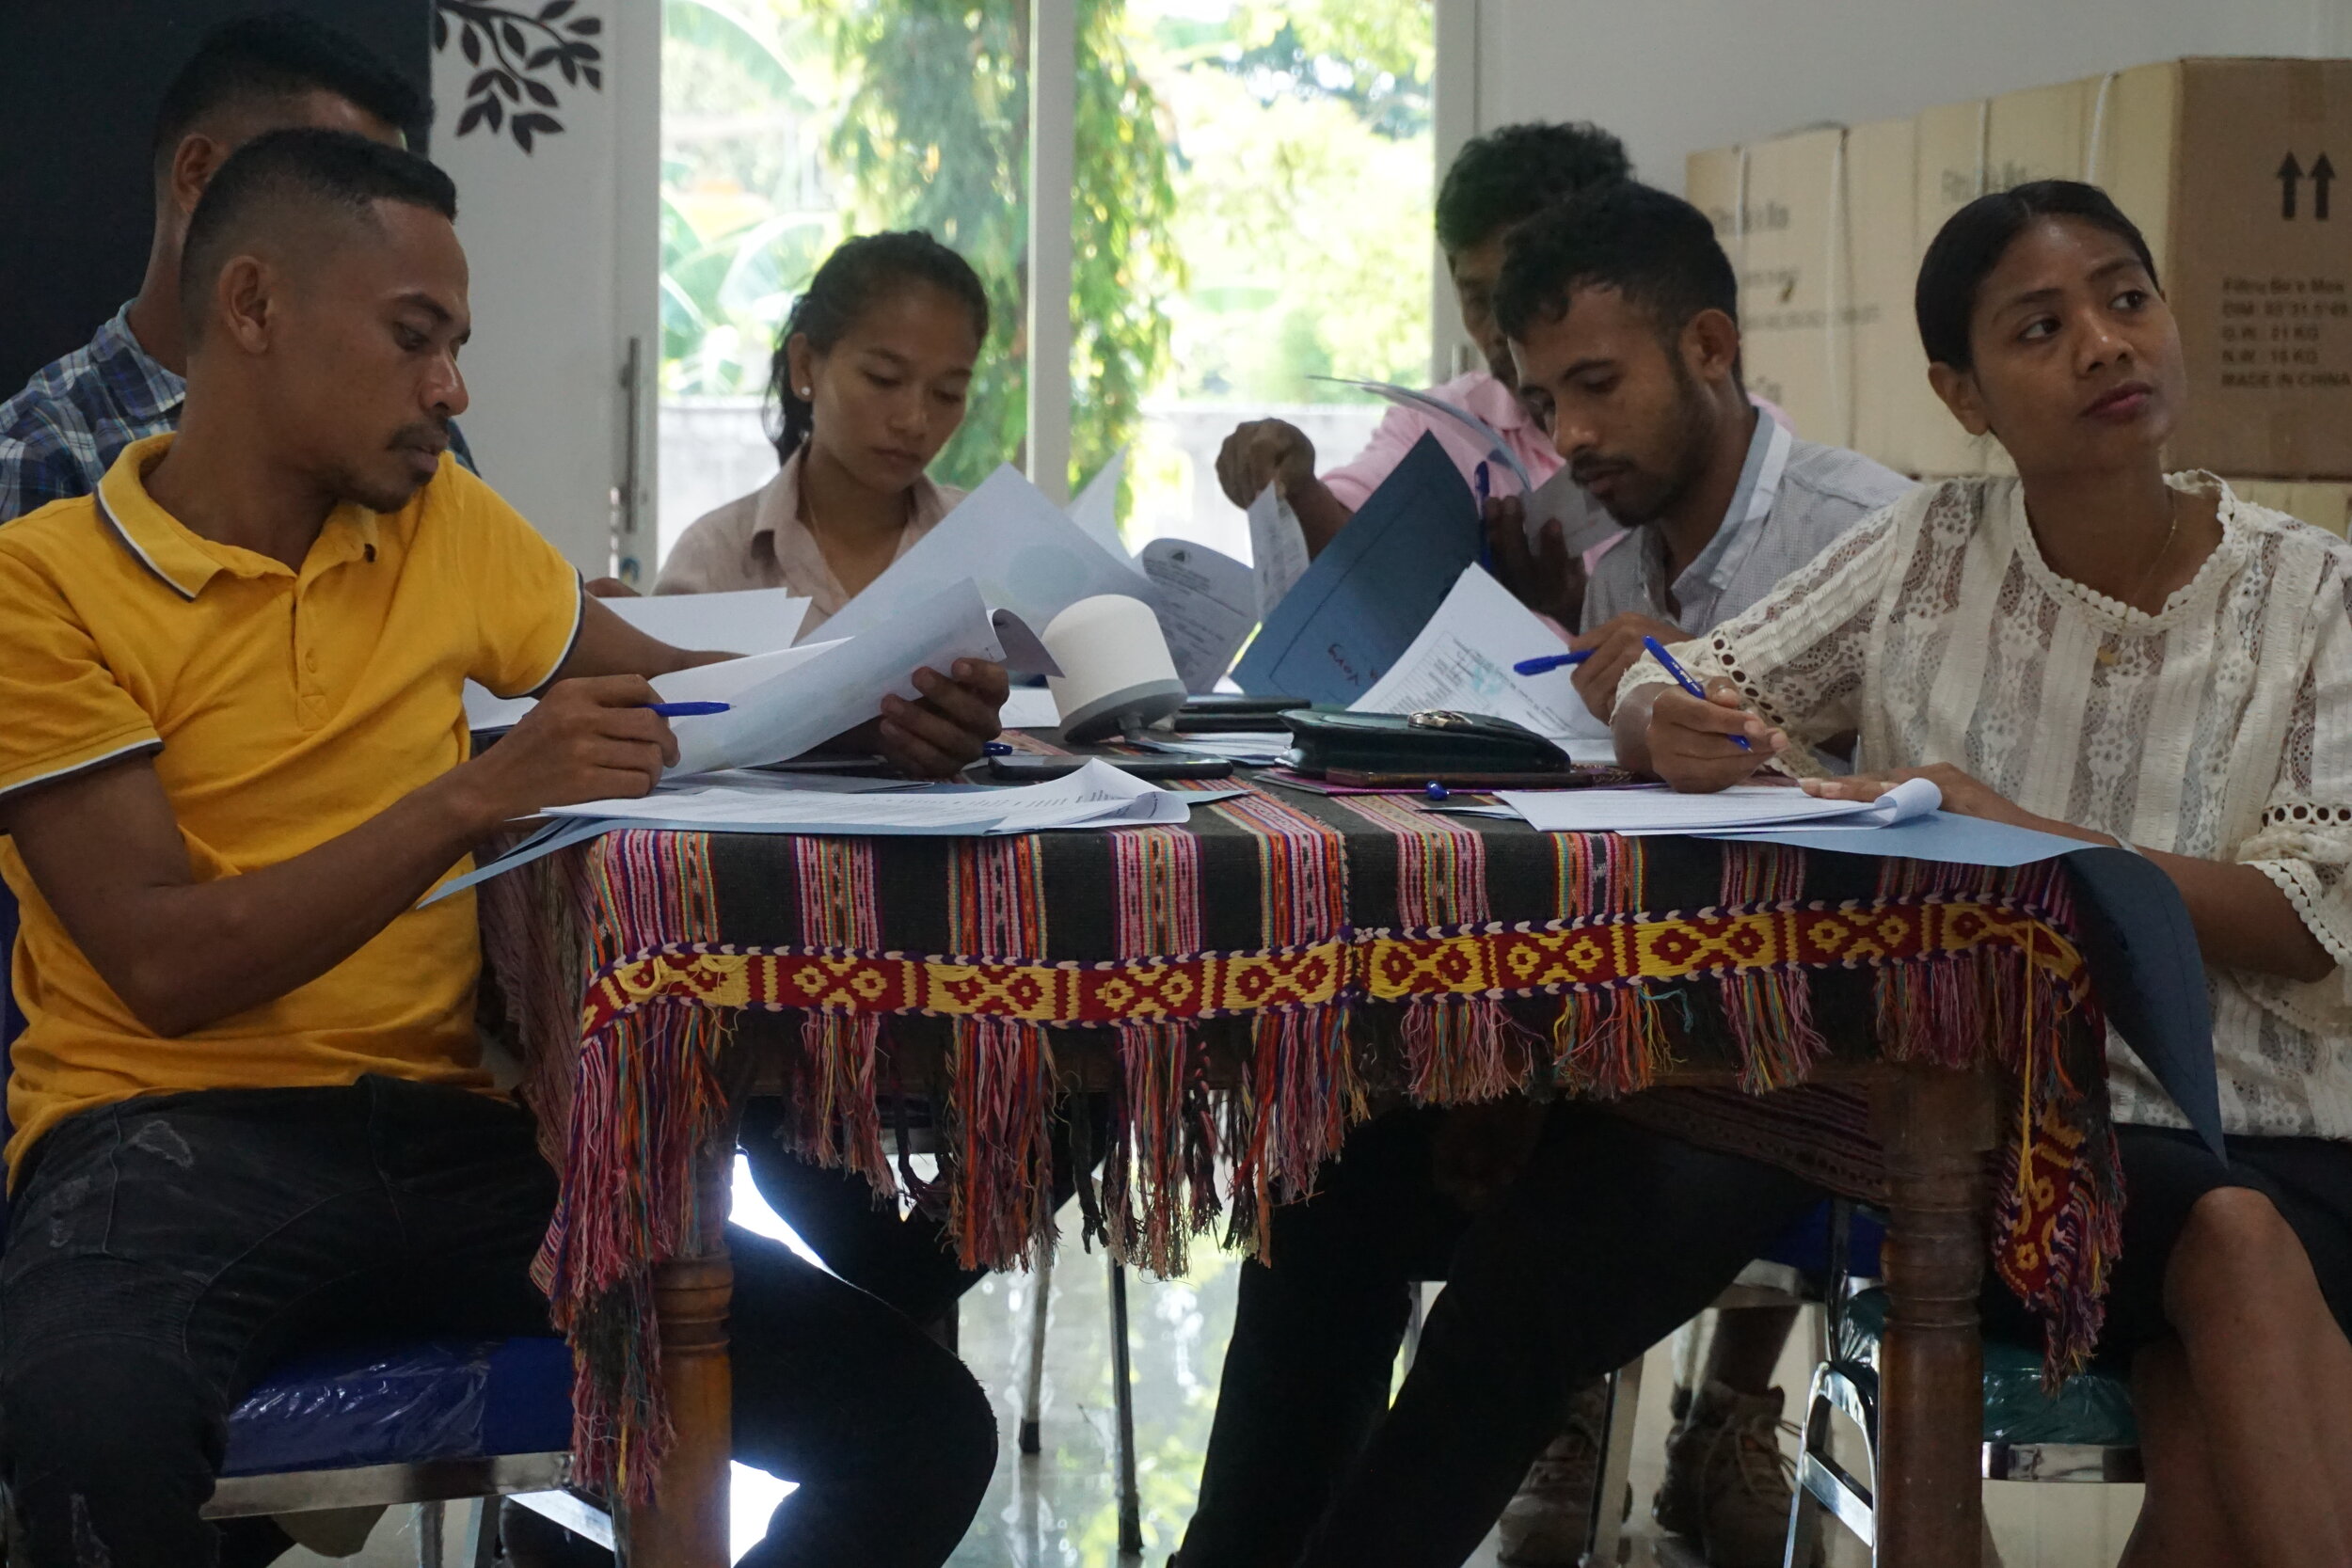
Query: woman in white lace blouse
{"points": [[2095, 650]]}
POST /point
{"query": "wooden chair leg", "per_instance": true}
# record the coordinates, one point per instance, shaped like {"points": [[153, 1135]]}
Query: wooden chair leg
{"points": [[1123, 1396], [1033, 1395]]}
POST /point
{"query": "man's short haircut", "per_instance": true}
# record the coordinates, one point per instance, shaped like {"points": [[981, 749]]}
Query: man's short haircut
{"points": [[334, 174], [279, 56], [1657, 250], [1507, 176]]}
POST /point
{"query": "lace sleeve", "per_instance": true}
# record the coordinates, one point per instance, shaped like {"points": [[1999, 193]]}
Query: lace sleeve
{"points": [[1798, 654], [2304, 844]]}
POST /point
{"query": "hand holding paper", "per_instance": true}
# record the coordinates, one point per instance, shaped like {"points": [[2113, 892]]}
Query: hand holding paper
{"points": [[1277, 549], [1208, 601], [788, 703]]}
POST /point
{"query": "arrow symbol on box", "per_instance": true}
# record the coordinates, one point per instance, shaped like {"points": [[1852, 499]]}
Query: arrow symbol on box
{"points": [[2323, 175], [2290, 175]]}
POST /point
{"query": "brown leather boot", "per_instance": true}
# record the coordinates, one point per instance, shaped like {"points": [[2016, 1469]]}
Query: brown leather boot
{"points": [[1728, 1483], [1546, 1523]]}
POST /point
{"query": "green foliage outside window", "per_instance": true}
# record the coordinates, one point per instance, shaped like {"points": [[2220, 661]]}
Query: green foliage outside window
{"points": [[1251, 207]]}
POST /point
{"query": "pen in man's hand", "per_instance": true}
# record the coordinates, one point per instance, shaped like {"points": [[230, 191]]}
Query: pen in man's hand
{"points": [[1550, 662], [1485, 540], [687, 710]]}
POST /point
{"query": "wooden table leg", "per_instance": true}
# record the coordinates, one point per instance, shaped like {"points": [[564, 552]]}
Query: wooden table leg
{"points": [[687, 1524], [1936, 1126]]}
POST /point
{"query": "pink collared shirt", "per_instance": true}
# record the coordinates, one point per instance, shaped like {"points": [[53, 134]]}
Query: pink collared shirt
{"points": [[1479, 393], [758, 541]]}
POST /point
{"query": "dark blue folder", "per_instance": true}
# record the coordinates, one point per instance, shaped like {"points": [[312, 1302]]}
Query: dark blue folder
{"points": [[1366, 597]]}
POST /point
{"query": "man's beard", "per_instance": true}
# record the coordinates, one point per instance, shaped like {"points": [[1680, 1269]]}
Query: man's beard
{"points": [[1685, 464]]}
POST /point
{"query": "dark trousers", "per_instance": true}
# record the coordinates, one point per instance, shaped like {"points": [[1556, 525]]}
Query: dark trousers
{"points": [[1612, 1237], [162, 1252], [908, 1261], [1315, 1342]]}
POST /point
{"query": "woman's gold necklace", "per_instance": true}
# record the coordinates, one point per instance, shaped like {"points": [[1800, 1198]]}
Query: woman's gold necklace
{"points": [[2107, 654]]}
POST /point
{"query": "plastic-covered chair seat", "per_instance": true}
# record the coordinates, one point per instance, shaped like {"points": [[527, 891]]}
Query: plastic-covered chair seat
{"points": [[1806, 1246], [404, 1405], [2093, 1410]]}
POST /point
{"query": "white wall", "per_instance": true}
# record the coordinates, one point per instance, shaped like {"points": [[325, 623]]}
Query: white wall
{"points": [[1677, 76], [566, 252]]}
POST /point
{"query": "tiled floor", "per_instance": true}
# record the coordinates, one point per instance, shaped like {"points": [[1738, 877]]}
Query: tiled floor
{"points": [[1058, 1510]]}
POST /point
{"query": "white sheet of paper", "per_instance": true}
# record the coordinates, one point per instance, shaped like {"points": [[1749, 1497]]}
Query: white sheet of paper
{"points": [[1029, 707], [1207, 603], [1255, 748], [1643, 812], [1404, 396], [1096, 510], [815, 692], [1277, 549], [1022, 550], [749, 621], [1096, 794], [753, 621], [1462, 660]]}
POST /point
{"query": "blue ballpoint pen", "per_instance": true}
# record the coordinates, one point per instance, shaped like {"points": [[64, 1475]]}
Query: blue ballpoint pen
{"points": [[1485, 540], [1682, 678], [1550, 662], [687, 710]]}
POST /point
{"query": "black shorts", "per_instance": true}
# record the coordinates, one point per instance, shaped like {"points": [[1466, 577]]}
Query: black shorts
{"points": [[2165, 1172]]}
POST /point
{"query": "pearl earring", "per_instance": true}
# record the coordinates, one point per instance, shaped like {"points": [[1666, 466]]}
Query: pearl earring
{"points": [[808, 392]]}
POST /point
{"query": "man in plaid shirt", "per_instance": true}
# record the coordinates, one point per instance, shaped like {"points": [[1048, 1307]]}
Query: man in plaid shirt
{"points": [[60, 434]]}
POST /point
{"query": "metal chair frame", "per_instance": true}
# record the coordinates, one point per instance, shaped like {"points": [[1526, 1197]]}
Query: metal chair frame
{"points": [[1847, 1387], [539, 1481]]}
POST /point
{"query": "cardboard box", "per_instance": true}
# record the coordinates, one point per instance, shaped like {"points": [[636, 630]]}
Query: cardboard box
{"points": [[2321, 504], [1892, 397], [1966, 150], [2228, 165], [1820, 293], [2197, 152], [1783, 230], [2257, 254]]}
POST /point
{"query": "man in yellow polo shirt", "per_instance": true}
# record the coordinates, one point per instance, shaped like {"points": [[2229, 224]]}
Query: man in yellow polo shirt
{"points": [[249, 1105]]}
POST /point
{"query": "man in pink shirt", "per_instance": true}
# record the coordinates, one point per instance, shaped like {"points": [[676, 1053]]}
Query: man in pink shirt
{"points": [[1498, 181]]}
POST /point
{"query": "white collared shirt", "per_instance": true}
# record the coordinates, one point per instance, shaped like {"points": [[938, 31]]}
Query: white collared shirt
{"points": [[758, 541]]}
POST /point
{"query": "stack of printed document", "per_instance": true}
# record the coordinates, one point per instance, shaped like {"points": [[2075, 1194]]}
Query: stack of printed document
{"points": [[1249, 748], [1096, 795], [1463, 660], [1742, 808]]}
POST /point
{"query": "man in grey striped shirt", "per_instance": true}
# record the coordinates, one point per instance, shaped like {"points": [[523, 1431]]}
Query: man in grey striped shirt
{"points": [[1623, 314]]}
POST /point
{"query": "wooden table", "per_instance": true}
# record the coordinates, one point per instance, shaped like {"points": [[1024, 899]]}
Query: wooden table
{"points": [[1298, 952]]}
